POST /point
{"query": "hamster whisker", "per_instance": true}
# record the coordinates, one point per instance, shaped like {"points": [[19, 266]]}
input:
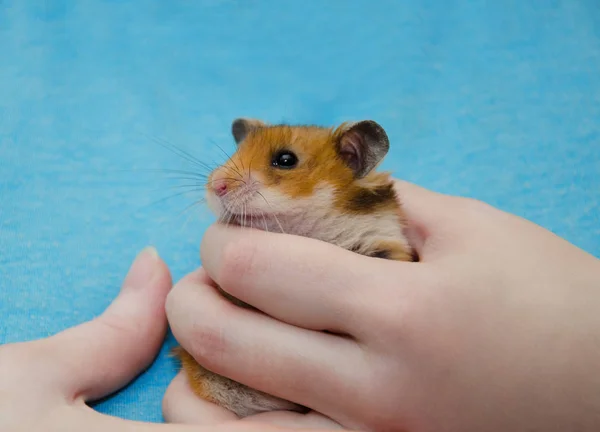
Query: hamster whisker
{"points": [[193, 174], [229, 215], [262, 213], [194, 187], [191, 187], [229, 158], [251, 222], [190, 178], [224, 217], [200, 187], [230, 179], [274, 215], [235, 167], [232, 215], [250, 165], [180, 152], [195, 203], [229, 218], [169, 197], [233, 171], [278, 223], [201, 179]]}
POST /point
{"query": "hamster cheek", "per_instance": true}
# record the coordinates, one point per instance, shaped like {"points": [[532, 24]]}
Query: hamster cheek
{"points": [[269, 200]]}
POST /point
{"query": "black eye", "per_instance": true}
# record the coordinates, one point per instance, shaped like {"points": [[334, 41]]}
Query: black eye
{"points": [[284, 159]]}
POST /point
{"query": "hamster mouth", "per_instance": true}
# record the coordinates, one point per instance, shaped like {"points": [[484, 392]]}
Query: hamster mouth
{"points": [[263, 221], [243, 220], [236, 209]]}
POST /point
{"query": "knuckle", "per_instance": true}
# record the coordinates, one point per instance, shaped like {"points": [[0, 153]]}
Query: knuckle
{"points": [[472, 205], [202, 332], [475, 216], [183, 300], [428, 303], [118, 325], [208, 344], [404, 316]]}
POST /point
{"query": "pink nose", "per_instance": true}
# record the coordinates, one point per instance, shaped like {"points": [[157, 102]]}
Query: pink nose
{"points": [[220, 187]]}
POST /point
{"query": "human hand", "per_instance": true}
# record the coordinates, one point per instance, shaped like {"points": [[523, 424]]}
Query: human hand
{"points": [[495, 329], [45, 384]]}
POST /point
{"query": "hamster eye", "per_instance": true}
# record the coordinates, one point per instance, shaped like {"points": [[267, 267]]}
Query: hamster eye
{"points": [[284, 159]]}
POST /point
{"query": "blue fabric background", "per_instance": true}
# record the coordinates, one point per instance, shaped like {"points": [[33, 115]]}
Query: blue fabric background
{"points": [[498, 100]]}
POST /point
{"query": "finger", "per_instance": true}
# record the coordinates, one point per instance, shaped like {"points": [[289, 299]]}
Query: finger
{"points": [[303, 366], [98, 357], [301, 281], [181, 405]]}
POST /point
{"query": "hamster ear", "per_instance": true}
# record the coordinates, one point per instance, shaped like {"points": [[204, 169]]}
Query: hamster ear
{"points": [[241, 127], [362, 145]]}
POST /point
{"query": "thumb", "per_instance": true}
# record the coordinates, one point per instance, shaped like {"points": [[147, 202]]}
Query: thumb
{"points": [[98, 357]]}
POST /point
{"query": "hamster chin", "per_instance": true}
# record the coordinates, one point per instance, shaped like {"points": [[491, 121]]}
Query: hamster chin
{"points": [[246, 208], [271, 210]]}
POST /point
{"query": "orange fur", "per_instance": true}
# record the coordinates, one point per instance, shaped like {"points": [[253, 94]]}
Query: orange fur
{"points": [[393, 251], [195, 374], [315, 145], [312, 144]]}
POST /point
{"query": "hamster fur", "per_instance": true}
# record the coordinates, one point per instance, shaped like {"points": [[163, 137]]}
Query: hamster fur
{"points": [[310, 181]]}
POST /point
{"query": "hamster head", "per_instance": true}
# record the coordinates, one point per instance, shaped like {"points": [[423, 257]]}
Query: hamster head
{"points": [[283, 176]]}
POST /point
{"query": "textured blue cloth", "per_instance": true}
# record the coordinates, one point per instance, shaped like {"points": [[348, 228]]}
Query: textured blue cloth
{"points": [[498, 100]]}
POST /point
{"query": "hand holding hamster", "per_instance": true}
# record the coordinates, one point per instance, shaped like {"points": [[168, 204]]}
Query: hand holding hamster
{"points": [[45, 384], [496, 328]]}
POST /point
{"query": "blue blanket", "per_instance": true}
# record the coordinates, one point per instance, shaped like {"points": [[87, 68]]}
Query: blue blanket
{"points": [[497, 100]]}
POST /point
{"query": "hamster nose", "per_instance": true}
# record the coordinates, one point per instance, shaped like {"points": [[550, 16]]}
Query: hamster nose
{"points": [[220, 187]]}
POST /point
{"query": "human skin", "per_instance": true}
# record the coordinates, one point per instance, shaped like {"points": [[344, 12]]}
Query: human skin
{"points": [[45, 384], [497, 328]]}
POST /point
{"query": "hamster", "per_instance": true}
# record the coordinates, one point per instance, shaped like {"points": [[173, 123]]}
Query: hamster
{"points": [[310, 181]]}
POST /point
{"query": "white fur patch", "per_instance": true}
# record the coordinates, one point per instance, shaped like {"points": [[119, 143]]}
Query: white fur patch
{"points": [[313, 216], [243, 400]]}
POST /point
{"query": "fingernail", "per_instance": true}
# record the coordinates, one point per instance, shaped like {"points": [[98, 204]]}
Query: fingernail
{"points": [[142, 270], [150, 251]]}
